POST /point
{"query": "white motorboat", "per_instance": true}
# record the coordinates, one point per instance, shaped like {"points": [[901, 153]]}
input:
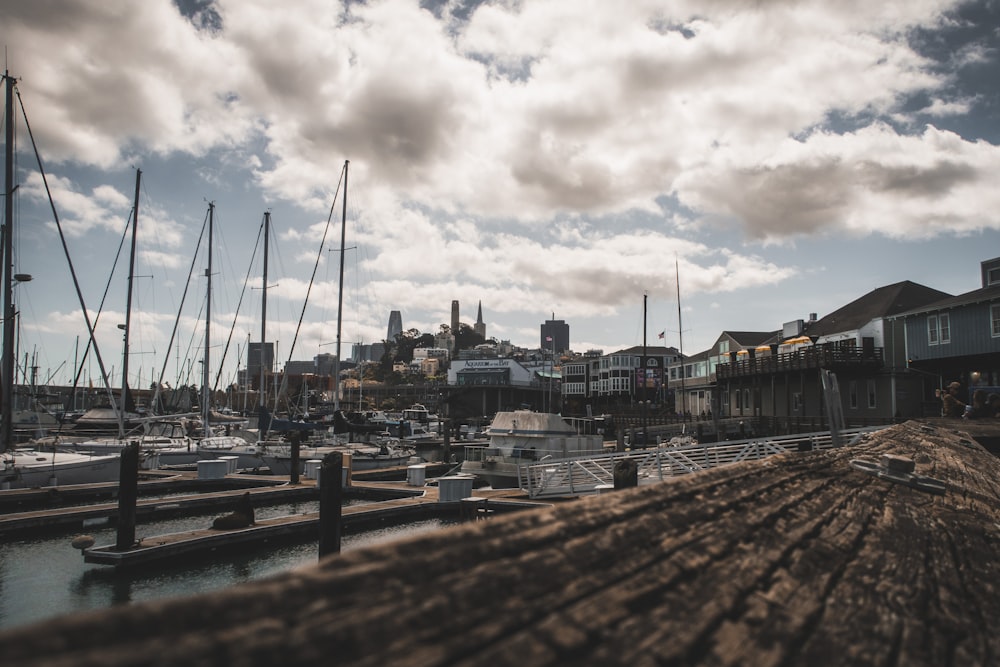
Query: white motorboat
{"points": [[523, 437]]}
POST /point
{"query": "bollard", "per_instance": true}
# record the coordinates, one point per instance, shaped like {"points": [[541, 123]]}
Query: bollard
{"points": [[294, 463], [128, 493], [626, 474], [331, 493]]}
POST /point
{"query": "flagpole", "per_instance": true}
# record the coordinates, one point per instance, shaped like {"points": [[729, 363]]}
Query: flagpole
{"points": [[680, 337]]}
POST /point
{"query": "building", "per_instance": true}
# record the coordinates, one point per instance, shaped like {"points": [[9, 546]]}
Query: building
{"points": [[554, 335], [454, 317], [480, 326], [956, 338], [859, 343], [497, 372], [395, 325], [254, 361]]}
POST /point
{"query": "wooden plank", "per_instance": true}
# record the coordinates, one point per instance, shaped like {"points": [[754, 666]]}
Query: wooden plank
{"points": [[797, 559]]}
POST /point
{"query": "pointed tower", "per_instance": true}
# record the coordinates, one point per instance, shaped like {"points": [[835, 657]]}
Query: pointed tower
{"points": [[480, 326]]}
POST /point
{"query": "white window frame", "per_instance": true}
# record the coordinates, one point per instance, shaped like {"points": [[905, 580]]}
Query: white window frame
{"points": [[944, 328], [872, 394], [995, 320], [932, 329]]}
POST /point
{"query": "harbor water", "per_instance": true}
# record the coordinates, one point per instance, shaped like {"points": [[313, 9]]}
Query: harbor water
{"points": [[42, 577]]}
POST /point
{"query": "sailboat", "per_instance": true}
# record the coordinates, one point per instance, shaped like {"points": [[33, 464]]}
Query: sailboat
{"points": [[363, 455], [21, 467]]}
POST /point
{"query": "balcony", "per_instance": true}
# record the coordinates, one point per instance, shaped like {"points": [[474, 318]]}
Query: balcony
{"points": [[831, 358]]}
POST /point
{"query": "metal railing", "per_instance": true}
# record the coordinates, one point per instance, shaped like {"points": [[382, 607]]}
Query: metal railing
{"points": [[588, 474]]}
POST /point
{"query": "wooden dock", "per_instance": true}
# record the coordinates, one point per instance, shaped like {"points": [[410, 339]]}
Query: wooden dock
{"points": [[801, 559], [409, 504]]}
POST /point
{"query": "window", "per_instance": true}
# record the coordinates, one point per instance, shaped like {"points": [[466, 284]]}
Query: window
{"points": [[992, 277], [723, 347], [871, 394], [938, 329], [796, 401], [852, 390], [995, 320], [945, 322]]}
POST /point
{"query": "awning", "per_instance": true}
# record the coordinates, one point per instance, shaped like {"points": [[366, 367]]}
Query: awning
{"points": [[801, 340]]}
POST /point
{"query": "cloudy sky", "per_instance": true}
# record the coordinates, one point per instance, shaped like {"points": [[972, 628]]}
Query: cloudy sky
{"points": [[538, 156]]}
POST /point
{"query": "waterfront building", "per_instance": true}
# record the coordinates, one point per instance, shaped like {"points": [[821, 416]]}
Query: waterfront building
{"points": [[957, 338]]}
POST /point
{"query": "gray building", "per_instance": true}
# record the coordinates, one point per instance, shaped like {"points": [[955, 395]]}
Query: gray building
{"points": [[554, 335], [395, 325]]}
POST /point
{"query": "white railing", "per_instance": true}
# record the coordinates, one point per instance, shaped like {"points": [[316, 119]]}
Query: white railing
{"points": [[585, 474]]}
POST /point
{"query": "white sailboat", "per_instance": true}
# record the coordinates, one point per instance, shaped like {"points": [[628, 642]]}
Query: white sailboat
{"points": [[23, 467]]}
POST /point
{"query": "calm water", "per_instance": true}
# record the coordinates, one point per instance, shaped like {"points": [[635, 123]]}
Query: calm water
{"points": [[42, 577]]}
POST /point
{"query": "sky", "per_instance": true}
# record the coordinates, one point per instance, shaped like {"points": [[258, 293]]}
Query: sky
{"points": [[566, 158]]}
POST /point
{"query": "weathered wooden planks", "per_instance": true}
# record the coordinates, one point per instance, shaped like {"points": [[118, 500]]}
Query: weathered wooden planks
{"points": [[798, 559]]}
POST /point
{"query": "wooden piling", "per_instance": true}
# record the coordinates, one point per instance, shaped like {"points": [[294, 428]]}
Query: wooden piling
{"points": [[331, 494], [128, 494], [626, 474], [294, 462]]}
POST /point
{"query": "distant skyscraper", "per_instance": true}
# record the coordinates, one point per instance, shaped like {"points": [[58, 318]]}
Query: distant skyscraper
{"points": [[454, 317], [480, 326], [555, 335], [395, 325], [254, 361]]}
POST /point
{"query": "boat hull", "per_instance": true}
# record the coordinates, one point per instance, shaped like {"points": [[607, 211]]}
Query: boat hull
{"points": [[30, 469]]}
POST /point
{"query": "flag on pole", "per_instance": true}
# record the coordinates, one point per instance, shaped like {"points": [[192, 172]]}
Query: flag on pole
{"points": [[662, 334]]}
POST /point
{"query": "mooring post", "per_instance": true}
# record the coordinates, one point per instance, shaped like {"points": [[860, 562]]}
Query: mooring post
{"points": [[331, 494], [128, 493], [626, 474], [446, 443], [294, 463]]}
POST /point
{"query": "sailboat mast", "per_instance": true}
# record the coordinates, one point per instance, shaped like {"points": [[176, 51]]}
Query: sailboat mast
{"points": [[128, 308], [7, 425], [340, 296], [263, 310], [206, 388]]}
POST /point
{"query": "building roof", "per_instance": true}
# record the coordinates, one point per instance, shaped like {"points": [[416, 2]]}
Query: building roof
{"points": [[879, 303], [753, 338], [981, 295]]}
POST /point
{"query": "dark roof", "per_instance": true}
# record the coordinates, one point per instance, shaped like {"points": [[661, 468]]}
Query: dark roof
{"points": [[984, 294], [753, 338], [882, 302]]}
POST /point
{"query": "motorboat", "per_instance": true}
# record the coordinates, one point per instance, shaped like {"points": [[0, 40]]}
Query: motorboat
{"points": [[523, 437]]}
